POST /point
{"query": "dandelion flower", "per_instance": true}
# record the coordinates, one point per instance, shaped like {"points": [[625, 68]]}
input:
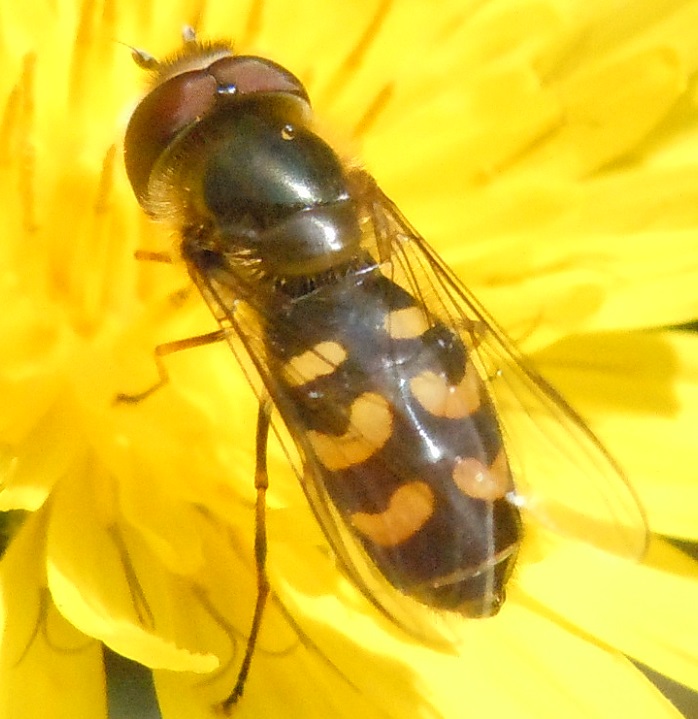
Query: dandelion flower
{"points": [[549, 150]]}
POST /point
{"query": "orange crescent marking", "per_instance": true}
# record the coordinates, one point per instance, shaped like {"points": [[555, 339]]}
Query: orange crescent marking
{"points": [[476, 480], [370, 427], [408, 511], [406, 324], [317, 362], [441, 399]]}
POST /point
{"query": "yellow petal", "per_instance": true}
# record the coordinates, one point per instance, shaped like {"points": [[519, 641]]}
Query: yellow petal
{"points": [[47, 667], [98, 579], [609, 108], [643, 611], [30, 468], [35, 349], [639, 392], [512, 113]]}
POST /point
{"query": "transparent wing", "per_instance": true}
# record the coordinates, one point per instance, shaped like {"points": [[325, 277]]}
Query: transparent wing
{"points": [[565, 479], [248, 328]]}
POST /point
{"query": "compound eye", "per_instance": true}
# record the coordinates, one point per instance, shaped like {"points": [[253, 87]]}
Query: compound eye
{"points": [[186, 98], [167, 110], [249, 74]]}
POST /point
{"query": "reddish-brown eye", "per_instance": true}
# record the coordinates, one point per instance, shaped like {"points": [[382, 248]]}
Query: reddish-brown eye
{"points": [[159, 118], [250, 74], [186, 98]]}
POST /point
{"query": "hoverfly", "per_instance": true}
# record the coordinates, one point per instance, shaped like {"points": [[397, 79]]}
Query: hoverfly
{"points": [[423, 435]]}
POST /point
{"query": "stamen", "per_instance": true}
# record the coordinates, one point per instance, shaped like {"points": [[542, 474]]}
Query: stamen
{"points": [[106, 181], [228, 629], [138, 598], [37, 627], [27, 156], [253, 26], [101, 252], [373, 111], [355, 57], [41, 627], [87, 52], [234, 634]]}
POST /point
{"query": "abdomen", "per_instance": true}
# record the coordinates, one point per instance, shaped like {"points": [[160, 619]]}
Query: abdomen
{"points": [[393, 420]]}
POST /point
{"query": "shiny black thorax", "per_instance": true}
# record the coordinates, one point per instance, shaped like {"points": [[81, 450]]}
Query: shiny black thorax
{"points": [[278, 226], [261, 179]]}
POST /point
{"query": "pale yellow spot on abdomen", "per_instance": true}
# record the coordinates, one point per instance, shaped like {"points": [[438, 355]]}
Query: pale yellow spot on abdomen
{"points": [[406, 324], [476, 480], [317, 362], [441, 399], [408, 511], [370, 426]]}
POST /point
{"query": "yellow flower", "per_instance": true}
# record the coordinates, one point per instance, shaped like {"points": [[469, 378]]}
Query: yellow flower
{"points": [[549, 150]]}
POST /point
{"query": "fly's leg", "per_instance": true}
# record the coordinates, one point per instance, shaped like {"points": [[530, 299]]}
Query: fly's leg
{"points": [[169, 348], [261, 483]]}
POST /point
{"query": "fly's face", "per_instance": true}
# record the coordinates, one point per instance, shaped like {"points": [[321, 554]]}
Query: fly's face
{"points": [[422, 433], [223, 145]]}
